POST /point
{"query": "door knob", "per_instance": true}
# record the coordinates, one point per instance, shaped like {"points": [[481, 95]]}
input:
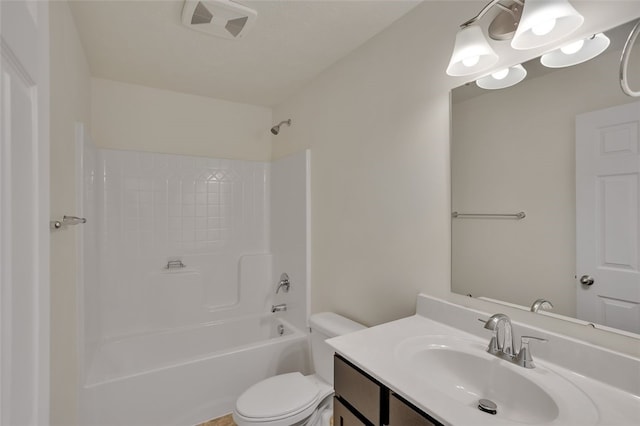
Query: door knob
{"points": [[586, 280]]}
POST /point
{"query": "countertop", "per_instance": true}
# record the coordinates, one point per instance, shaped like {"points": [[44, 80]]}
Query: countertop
{"points": [[379, 352]]}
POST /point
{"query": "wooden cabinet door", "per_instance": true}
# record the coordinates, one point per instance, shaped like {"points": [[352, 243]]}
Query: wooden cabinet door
{"points": [[361, 392], [343, 417], [401, 414]]}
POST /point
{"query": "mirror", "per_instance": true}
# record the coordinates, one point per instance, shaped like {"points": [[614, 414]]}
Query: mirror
{"points": [[514, 150]]}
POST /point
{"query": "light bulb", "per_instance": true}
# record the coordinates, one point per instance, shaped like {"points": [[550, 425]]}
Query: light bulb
{"points": [[505, 77], [500, 75], [544, 28], [572, 48], [471, 61], [576, 52]]}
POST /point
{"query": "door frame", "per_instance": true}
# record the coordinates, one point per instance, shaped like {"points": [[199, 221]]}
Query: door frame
{"points": [[36, 76]]}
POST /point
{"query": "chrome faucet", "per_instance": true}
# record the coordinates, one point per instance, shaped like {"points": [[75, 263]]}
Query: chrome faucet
{"points": [[543, 304], [284, 283], [503, 348], [279, 308]]}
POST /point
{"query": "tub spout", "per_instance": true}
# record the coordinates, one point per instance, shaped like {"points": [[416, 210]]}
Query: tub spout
{"points": [[279, 308]]}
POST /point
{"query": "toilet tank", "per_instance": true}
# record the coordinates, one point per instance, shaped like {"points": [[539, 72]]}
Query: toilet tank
{"points": [[324, 326]]}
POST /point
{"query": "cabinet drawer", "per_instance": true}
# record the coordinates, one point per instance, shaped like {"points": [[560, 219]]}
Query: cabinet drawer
{"points": [[342, 416], [401, 414], [361, 392]]}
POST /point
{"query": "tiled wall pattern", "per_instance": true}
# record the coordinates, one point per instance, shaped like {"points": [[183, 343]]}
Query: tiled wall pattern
{"points": [[208, 213], [184, 204]]}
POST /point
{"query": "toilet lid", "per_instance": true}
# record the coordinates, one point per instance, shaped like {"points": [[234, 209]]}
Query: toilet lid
{"points": [[277, 396]]}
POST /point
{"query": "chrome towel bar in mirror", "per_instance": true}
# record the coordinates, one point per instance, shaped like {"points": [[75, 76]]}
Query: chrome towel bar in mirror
{"points": [[518, 216]]}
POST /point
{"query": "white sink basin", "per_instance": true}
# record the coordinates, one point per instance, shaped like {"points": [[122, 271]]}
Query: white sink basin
{"points": [[463, 372]]}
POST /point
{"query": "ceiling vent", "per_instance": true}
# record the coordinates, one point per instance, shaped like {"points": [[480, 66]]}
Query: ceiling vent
{"points": [[222, 18]]}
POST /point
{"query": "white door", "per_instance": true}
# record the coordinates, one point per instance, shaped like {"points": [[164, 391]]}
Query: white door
{"points": [[24, 211], [608, 231]]}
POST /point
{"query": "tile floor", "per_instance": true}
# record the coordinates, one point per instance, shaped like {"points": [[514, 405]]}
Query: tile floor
{"points": [[222, 421], [227, 421]]}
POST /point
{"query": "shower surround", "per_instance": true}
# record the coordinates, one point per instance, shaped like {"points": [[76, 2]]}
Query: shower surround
{"points": [[178, 273], [208, 213]]}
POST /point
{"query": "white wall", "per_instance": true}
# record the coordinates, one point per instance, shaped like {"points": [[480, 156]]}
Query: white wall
{"points": [[133, 117], [377, 123], [523, 159], [70, 103]]}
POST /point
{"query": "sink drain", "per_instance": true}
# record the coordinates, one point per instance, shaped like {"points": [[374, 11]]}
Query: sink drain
{"points": [[488, 406]]}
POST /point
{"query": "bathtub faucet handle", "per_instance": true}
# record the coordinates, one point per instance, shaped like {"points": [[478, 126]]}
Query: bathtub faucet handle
{"points": [[278, 308], [284, 283]]}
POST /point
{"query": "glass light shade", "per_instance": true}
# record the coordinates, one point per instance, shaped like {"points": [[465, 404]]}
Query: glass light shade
{"points": [[498, 80], [471, 53], [544, 22], [592, 47]]}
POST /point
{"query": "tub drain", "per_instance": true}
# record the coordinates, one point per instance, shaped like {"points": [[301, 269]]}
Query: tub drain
{"points": [[488, 406]]}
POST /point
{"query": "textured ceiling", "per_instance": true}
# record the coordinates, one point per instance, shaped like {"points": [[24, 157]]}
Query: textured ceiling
{"points": [[144, 42]]}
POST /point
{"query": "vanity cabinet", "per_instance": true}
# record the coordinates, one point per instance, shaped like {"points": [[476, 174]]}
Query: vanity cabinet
{"points": [[401, 413], [359, 393], [362, 400], [342, 416]]}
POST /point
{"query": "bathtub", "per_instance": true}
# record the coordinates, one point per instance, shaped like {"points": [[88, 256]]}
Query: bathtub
{"points": [[189, 375]]}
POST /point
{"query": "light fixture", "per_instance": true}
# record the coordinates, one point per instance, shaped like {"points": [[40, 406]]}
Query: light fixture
{"points": [[527, 23], [544, 22], [471, 53], [500, 79], [577, 52]]}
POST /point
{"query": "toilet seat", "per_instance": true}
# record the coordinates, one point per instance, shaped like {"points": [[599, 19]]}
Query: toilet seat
{"points": [[281, 400]]}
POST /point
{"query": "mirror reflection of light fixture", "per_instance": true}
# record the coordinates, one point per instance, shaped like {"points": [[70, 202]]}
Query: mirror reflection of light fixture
{"points": [[536, 22], [501, 79], [545, 21], [577, 52]]}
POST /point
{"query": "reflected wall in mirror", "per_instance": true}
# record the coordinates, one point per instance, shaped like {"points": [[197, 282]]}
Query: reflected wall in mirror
{"points": [[515, 150]]}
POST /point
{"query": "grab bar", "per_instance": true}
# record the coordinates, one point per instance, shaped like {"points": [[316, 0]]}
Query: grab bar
{"points": [[624, 62], [66, 221], [518, 216]]}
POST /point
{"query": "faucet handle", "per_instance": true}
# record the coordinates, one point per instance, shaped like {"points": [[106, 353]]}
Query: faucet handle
{"points": [[284, 282], [524, 358]]}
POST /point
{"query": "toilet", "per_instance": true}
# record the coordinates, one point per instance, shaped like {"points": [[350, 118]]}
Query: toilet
{"points": [[294, 399]]}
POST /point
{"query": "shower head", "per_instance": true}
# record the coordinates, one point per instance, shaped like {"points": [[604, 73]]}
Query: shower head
{"points": [[276, 129]]}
